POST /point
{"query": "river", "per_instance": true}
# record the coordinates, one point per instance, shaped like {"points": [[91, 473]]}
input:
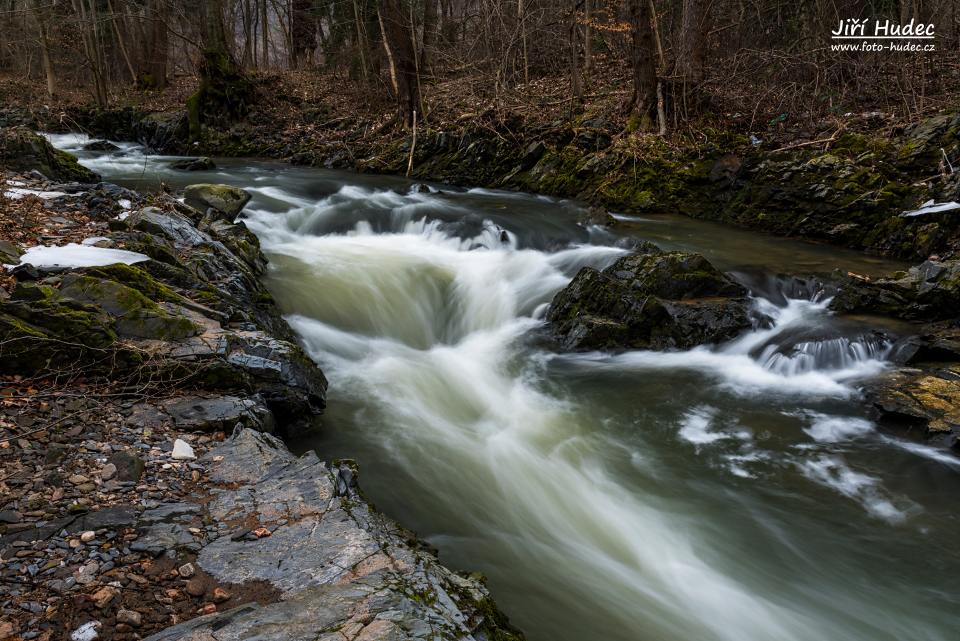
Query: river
{"points": [[736, 492]]}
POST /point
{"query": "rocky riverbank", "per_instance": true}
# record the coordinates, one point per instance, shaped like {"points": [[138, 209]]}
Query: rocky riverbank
{"points": [[846, 186], [143, 369]]}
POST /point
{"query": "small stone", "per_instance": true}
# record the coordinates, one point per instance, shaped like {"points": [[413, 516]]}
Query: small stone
{"points": [[129, 617], [208, 608], [103, 596], [186, 570], [6, 629], [86, 573], [78, 479], [108, 471], [182, 451], [10, 516], [195, 587], [220, 595], [88, 536], [87, 632]]}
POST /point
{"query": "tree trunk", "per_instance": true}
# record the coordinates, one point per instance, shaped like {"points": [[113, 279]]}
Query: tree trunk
{"points": [[303, 33], [643, 102], [693, 40], [41, 18], [587, 36], [429, 32], [224, 93], [265, 33], [398, 44]]}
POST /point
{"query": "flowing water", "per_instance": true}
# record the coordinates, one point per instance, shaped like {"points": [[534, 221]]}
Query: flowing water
{"points": [[735, 492]]}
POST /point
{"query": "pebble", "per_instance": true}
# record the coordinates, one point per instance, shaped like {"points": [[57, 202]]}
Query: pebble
{"points": [[108, 471], [182, 451], [78, 479], [88, 536], [186, 570], [195, 587], [103, 596], [129, 617], [87, 632], [220, 595]]}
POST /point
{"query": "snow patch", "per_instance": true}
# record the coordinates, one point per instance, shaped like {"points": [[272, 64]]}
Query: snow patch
{"points": [[75, 255]]}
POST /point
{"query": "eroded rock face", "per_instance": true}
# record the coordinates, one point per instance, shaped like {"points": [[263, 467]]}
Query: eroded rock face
{"points": [[23, 150], [339, 568], [649, 300]]}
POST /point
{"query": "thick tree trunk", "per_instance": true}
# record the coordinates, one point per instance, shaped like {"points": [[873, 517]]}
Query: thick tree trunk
{"points": [[224, 93], [303, 33], [643, 101], [693, 41], [429, 32], [401, 56]]}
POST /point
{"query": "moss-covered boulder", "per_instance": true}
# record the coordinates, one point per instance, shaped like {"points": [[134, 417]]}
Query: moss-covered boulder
{"points": [[24, 150], [649, 300], [224, 199], [132, 314]]}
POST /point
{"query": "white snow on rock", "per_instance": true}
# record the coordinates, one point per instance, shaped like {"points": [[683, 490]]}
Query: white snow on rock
{"points": [[17, 193], [74, 255], [125, 203], [182, 451], [930, 207]]}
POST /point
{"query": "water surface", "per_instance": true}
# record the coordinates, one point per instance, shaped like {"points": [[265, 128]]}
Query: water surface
{"points": [[734, 492]]}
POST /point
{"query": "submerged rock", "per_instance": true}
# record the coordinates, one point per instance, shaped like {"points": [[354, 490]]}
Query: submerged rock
{"points": [[649, 300], [224, 199]]}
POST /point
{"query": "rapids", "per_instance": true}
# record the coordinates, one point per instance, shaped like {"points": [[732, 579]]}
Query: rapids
{"points": [[735, 492]]}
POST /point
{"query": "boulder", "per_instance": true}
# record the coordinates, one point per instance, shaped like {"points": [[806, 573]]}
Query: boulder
{"points": [[927, 292], [925, 402], [23, 150], [193, 164], [226, 200], [9, 253], [649, 300], [101, 145]]}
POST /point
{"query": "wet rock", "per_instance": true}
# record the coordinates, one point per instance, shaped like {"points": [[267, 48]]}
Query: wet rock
{"points": [[101, 145], [649, 300], [596, 216], [929, 291], [23, 150], [193, 164], [224, 199], [925, 402]]}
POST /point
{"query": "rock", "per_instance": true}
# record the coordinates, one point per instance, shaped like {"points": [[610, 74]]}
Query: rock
{"points": [[108, 471], [129, 465], [929, 291], [925, 402], [596, 216], [10, 516], [89, 631], [23, 150], [196, 588], [193, 164], [78, 479], [86, 573], [101, 145], [88, 536], [25, 272], [220, 413], [129, 617], [186, 570], [649, 300], [224, 199], [6, 629], [220, 595], [9, 255], [102, 597], [182, 451]]}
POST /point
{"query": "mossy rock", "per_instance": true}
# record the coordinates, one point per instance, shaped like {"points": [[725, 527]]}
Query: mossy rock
{"points": [[226, 200], [23, 150]]}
